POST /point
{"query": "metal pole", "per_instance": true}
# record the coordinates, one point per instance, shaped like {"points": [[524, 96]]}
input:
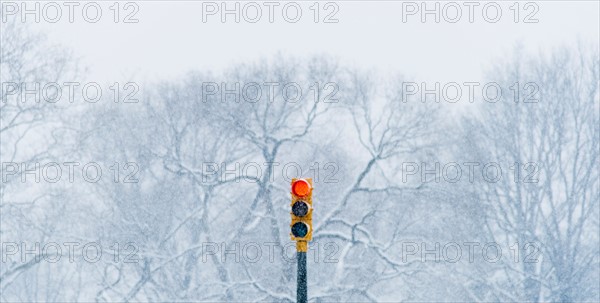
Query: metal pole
{"points": [[302, 290]]}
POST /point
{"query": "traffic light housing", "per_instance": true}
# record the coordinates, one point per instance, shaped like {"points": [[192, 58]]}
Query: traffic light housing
{"points": [[301, 210]]}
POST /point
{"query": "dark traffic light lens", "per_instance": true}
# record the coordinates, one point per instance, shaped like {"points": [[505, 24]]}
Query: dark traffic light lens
{"points": [[299, 229], [300, 208]]}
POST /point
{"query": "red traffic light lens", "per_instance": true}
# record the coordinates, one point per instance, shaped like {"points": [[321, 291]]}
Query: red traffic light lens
{"points": [[301, 188]]}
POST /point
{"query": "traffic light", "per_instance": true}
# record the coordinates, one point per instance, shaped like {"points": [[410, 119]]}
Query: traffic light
{"points": [[301, 226], [301, 229]]}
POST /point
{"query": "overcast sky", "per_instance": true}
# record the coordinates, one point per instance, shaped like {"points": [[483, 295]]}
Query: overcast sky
{"points": [[171, 38]]}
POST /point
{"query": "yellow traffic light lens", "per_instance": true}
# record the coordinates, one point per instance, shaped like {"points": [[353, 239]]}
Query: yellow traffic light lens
{"points": [[301, 188], [300, 208], [299, 229]]}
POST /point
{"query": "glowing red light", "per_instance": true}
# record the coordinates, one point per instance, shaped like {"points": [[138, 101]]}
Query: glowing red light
{"points": [[301, 188]]}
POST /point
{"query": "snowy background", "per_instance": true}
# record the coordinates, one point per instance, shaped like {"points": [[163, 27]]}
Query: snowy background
{"points": [[147, 150]]}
